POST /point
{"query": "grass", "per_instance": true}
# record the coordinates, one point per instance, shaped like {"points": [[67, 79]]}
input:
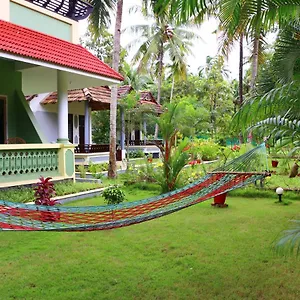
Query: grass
{"points": [[198, 253]]}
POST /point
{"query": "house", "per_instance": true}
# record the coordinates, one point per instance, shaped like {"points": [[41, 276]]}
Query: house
{"points": [[81, 103], [39, 53]]}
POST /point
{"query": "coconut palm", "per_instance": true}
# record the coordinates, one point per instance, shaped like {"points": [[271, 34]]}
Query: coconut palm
{"points": [[100, 18], [132, 77], [251, 19], [275, 109], [158, 40], [112, 170]]}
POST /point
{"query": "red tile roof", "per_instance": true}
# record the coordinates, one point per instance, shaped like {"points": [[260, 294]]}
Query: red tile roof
{"points": [[146, 97], [31, 44], [99, 97], [124, 90]]}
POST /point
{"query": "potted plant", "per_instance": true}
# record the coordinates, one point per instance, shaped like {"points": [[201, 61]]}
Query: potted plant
{"points": [[273, 152], [44, 191], [150, 158]]}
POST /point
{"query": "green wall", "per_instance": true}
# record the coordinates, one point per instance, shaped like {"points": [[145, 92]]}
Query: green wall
{"points": [[9, 81], [26, 17], [18, 121]]}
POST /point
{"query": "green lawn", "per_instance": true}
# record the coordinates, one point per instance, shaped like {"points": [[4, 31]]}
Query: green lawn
{"points": [[198, 253]]}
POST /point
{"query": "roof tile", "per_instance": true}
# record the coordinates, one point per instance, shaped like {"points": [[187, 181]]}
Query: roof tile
{"points": [[42, 47]]}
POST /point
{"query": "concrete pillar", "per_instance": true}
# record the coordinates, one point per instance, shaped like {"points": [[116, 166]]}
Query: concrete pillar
{"points": [[87, 123], [122, 139], [145, 129], [62, 106]]}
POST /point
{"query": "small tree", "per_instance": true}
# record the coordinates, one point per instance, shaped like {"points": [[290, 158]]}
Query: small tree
{"points": [[178, 117]]}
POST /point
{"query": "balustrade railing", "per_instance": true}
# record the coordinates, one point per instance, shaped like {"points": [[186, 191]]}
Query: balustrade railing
{"points": [[26, 161], [91, 148], [144, 143]]}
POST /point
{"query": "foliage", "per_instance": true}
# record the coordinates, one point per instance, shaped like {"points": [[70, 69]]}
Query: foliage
{"points": [[205, 149], [102, 47], [82, 170], [273, 111], [113, 195], [177, 118], [136, 154], [44, 191], [289, 243], [96, 168], [216, 94], [210, 94], [133, 77], [24, 194], [100, 18], [100, 126]]}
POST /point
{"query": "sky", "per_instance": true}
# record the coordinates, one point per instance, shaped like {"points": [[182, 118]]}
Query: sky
{"points": [[207, 45]]}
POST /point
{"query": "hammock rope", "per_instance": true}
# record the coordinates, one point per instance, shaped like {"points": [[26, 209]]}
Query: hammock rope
{"points": [[241, 171]]}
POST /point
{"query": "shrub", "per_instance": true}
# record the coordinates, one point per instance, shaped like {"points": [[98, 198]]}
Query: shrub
{"points": [[136, 154], [113, 195], [206, 149], [96, 168], [82, 171], [44, 191]]}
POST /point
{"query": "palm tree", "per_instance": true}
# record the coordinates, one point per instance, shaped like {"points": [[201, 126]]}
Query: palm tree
{"points": [[251, 18], [112, 170], [132, 77], [99, 19], [275, 108], [158, 40]]}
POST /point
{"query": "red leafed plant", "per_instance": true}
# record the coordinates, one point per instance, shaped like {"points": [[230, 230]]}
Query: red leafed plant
{"points": [[44, 191]]}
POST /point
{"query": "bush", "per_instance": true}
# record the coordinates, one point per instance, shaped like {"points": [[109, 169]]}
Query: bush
{"points": [[97, 168], [44, 191], [206, 149], [136, 154], [81, 169], [113, 195]]}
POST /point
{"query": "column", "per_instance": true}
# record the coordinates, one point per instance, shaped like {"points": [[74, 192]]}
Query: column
{"points": [[87, 123], [122, 140], [62, 106], [145, 129]]}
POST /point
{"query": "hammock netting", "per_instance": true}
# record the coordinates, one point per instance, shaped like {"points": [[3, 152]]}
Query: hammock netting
{"points": [[241, 171]]}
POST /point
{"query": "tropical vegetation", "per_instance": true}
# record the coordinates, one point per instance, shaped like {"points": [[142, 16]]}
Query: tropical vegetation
{"points": [[263, 105]]}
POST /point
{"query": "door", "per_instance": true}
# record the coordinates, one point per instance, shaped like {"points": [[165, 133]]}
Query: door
{"points": [[2, 120], [81, 130], [70, 128]]}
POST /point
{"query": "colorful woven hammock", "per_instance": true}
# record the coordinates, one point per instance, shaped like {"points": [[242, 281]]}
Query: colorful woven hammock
{"points": [[237, 173]]}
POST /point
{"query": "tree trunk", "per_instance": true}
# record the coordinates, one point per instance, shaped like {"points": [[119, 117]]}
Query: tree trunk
{"points": [[112, 170], [159, 78], [241, 65], [254, 62]]}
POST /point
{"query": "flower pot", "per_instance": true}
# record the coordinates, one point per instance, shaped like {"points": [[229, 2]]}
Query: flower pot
{"points": [[274, 163], [219, 201]]}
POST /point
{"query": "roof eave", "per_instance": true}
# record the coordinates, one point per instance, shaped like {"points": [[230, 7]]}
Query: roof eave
{"points": [[39, 63]]}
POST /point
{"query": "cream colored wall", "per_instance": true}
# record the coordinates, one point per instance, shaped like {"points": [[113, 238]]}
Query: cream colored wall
{"points": [[46, 116], [4, 10], [5, 15]]}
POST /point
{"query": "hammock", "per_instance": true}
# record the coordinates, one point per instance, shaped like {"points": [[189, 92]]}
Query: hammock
{"points": [[241, 171]]}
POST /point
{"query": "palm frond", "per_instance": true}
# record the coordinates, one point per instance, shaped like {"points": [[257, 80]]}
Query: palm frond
{"points": [[100, 18]]}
